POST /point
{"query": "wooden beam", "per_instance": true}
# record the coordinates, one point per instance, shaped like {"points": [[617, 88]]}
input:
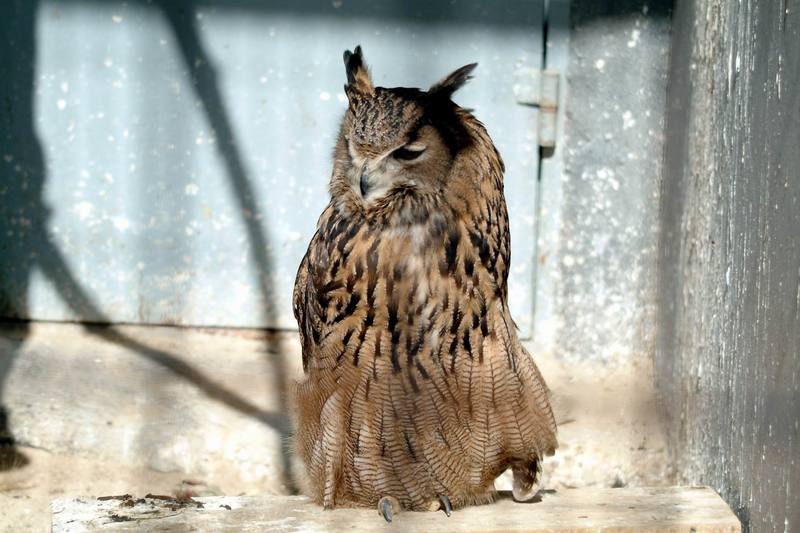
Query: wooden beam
{"points": [[652, 510]]}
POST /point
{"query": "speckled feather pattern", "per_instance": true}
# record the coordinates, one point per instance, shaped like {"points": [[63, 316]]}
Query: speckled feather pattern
{"points": [[415, 384]]}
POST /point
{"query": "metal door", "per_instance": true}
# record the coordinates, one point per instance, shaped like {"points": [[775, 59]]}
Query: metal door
{"points": [[165, 162]]}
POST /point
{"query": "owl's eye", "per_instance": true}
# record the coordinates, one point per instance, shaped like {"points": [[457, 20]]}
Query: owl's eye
{"points": [[404, 154]]}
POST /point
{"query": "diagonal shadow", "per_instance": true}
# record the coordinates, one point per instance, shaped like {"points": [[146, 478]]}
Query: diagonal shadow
{"points": [[21, 183], [30, 246], [203, 77], [55, 268], [180, 16]]}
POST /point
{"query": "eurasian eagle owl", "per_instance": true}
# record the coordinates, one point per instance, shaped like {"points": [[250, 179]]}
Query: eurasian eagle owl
{"points": [[417, 392]]}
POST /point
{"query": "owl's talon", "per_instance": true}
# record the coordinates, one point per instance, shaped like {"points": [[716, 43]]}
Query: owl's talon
{"points": [[387, 505], [445, 501], [526, 476]]}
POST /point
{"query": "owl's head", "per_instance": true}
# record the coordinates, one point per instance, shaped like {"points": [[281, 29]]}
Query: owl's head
{"points": [[399, 136]]}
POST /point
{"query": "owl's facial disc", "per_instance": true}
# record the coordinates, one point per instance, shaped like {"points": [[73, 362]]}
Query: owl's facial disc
{"points": [[398, 138], [375, 175], [418, 159]]}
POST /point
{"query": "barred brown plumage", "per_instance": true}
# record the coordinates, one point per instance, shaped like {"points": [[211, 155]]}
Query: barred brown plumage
{"points": [[417, 390]]}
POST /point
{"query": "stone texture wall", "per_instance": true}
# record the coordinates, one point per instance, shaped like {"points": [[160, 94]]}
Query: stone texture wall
{"points": [[728, 350], [598, 227]]}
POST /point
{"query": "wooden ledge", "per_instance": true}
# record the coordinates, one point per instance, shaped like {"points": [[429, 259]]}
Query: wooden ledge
{"points": [[653, 510]]}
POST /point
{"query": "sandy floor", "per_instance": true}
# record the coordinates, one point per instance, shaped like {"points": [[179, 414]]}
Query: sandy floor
{"points": [[609, 435], [610, 430]]}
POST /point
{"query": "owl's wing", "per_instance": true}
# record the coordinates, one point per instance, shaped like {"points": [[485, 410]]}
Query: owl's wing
{"points": [[306, 305], [501, 380], [319, 289], [299, 299]]}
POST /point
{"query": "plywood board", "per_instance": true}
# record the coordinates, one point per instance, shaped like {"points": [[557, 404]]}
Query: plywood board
{"points": [[653, 510]]}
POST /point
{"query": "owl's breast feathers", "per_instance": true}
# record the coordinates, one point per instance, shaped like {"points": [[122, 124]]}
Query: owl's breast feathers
{"points": [[409, 348]]}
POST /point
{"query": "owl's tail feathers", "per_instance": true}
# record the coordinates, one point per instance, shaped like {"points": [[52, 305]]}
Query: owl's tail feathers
{"points": [[541, 398]]}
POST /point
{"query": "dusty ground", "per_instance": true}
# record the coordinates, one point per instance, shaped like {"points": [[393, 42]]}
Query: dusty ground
{"points": [[609, 435], [25, 492]]}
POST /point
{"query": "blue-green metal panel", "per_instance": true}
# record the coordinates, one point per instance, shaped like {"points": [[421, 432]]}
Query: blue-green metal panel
{"points": [[185, 147]]}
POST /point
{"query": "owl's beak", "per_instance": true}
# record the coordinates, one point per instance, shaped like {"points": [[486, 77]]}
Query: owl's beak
{"points": [[364, 182]]}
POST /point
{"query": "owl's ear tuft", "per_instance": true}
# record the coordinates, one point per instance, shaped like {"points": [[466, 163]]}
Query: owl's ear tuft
{"points": [[453, 81], [357, 72]]}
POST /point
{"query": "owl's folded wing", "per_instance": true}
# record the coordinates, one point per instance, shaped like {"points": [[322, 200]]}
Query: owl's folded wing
{"points": [[307, 309]]}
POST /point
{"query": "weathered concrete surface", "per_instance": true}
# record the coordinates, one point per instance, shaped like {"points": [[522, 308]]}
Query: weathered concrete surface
{"points": [[598, 214], [202, 405], [728, 359], [172, 400], [655, 510]]}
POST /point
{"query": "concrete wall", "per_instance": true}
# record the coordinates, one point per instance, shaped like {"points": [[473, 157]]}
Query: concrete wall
{"points": [[599, 190], [728, 356]]}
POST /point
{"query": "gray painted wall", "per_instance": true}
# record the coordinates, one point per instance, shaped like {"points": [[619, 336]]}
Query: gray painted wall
{"points": [[728, 356], [599, 190]]}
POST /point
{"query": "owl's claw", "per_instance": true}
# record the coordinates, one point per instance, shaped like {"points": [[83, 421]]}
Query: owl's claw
{"points": [[386, 510], [445, 501], [442, 503], [387, 505], [526, 476]]}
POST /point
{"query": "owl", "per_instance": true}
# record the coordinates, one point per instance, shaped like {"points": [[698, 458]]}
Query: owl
{"points": [[416, 391]]}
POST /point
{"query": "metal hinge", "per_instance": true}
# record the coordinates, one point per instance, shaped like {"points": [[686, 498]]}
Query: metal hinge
{"points": [[539, 88]]}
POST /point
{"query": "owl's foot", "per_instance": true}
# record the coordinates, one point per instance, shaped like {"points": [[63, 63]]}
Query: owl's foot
{"points": [[387, 506], [526, 478], [442, 503]]}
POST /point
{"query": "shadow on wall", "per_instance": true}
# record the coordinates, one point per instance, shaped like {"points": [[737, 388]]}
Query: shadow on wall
{"points": [[24, 214], [585, 11]]}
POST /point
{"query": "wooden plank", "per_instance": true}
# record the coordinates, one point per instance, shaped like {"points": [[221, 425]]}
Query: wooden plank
{"points": [[652, 510]]}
